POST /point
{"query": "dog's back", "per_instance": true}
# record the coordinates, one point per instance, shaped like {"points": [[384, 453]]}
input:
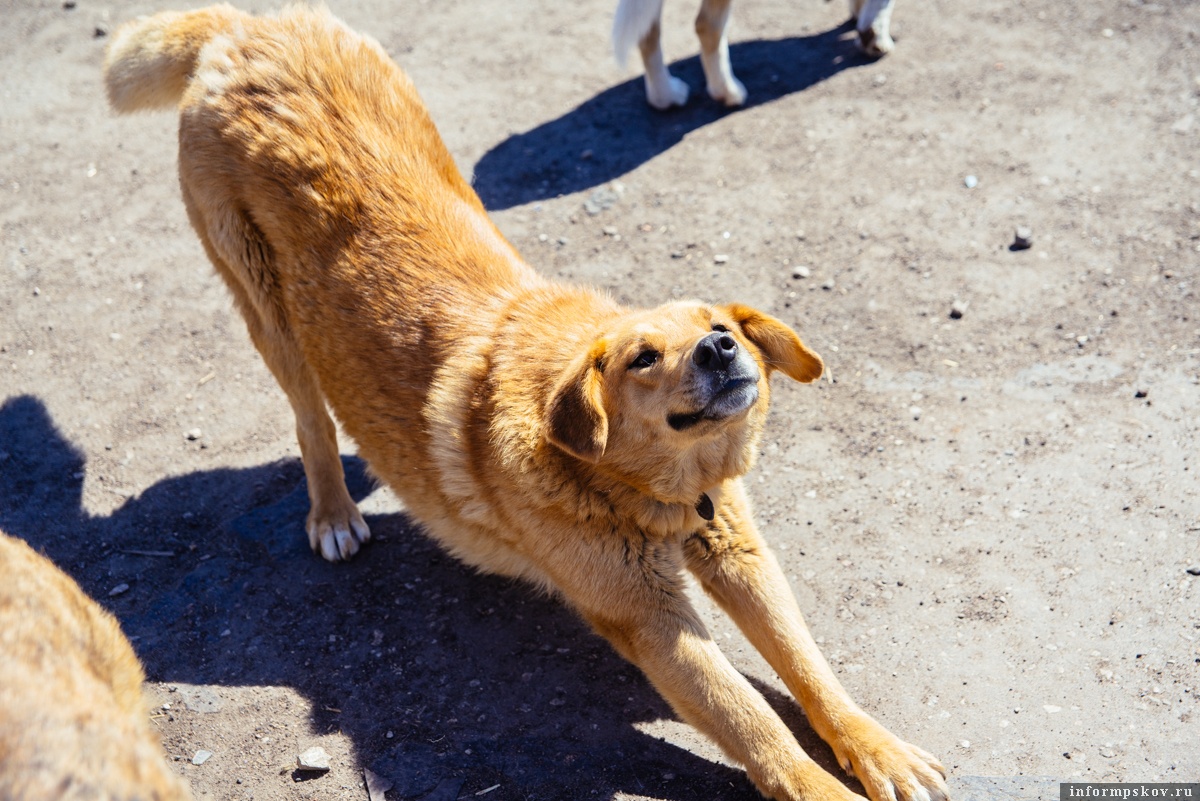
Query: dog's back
{"points": [[73, 724]]}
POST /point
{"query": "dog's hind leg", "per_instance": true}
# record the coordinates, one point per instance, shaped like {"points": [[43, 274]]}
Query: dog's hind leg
{"points": [[738, 570], [242, 257], [712, 26]]}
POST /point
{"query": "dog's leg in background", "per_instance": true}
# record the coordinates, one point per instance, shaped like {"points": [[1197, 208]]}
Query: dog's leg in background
{"points": [[335, 526], [739, 571], [873, 22], [712, 26], [640, 21]]}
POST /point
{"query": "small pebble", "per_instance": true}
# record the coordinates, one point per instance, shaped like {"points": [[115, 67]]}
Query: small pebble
{"points": [[201, 757], [100, 32], [957, 309], [1194, 570], [827, 284], [68, 4], [720, 258], [801, 272], [193, 434], [1022, 238], [970, 182], [1141, 393], [915, 411], [314, 758], [118, 590], [1107, 753]]}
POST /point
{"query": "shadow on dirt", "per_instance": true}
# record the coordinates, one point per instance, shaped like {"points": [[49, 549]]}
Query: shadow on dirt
{"points": [[616, 131], [402, 639]]}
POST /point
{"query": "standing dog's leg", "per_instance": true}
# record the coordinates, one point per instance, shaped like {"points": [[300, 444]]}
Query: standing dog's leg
{"points": [[663, 89], [712, 24], [242, 257], [741, 574], [633, 595], [640, 21], [874, 19]]}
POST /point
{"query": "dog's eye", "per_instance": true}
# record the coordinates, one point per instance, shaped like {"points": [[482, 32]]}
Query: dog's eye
{"points": [[719, 327], [645, 359]]}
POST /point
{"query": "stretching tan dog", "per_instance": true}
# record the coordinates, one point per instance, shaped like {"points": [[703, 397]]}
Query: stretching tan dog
{"points": [[73, 723], [536, 429]]}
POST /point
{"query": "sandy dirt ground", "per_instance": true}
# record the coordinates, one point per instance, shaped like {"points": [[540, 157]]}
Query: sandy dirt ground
{"points": [[987, 509]]}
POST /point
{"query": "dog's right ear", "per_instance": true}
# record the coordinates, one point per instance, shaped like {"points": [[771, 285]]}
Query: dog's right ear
{"points": [[575, 417]]}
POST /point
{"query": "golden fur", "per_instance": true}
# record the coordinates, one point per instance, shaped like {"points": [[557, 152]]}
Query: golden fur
{"points": [[73, 723], [536, 429]]}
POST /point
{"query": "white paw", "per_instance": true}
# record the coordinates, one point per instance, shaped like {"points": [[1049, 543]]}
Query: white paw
{"points": [[875, 44], [338, 539], [732, 93], [664, 95]]}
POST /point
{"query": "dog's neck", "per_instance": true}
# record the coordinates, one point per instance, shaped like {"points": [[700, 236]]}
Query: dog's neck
{"points": [[651, 513]]}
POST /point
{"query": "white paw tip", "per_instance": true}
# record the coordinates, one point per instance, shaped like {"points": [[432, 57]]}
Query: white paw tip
{"points": [[732, 94], [873, 45], [674, 94], [361, 531], [329, 548], [347, 546]]}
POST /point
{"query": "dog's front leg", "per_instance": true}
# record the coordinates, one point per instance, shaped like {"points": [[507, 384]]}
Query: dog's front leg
{"points": [[741, 574], [633, 596]]}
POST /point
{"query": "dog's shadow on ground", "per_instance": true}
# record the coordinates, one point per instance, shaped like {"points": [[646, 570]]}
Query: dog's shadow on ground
{"points": [[616, 131], [481, 680]]}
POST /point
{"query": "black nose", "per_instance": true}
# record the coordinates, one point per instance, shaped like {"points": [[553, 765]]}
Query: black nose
{"points": [[715, 352]]}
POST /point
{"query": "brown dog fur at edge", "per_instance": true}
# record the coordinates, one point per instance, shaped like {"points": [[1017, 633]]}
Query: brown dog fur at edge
{"points": [[74, 725], [536, 429]]}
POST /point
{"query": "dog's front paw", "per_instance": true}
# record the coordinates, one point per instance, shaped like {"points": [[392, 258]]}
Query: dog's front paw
{"points": [[664, 94], [337, 534], [731, 92], [889, 768]]}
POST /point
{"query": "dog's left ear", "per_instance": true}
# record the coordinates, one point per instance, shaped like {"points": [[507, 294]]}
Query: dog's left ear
{"points": [[780, 345], [575, 416]]}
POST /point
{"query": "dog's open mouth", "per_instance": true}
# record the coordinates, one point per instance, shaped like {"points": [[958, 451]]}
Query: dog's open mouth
{"points": [[734, 397]]}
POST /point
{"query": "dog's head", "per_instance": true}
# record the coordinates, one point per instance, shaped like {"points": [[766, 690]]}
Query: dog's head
{"points": [[672, 399]]}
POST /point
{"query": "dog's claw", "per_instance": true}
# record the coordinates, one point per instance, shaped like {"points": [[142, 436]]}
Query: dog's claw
{"points": [[341, 540]]}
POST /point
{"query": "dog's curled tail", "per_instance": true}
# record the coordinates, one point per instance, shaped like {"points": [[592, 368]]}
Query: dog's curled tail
{"points": [[151, 59], [633, 20]]}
